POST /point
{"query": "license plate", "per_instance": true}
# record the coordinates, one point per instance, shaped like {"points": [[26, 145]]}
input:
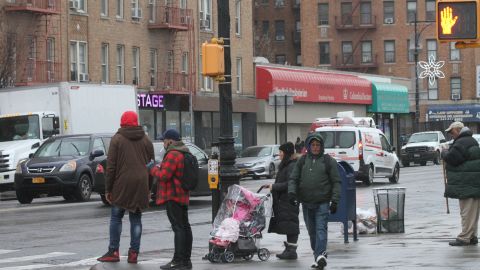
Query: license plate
{"points": [[38, 180], [416, 155], [243, 171]]}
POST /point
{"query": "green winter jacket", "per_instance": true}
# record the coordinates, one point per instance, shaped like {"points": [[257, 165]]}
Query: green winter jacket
{"points": [[311, 183], [464, 178]]}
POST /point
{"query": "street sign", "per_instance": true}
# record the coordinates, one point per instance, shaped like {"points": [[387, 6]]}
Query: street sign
{"points": [[280, 99]]}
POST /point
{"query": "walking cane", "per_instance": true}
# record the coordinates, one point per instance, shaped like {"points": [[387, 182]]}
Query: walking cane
{"points": [[445, 181]]}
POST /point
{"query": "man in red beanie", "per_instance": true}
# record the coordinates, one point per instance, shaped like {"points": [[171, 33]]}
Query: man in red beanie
{"points": [[126, 185]]}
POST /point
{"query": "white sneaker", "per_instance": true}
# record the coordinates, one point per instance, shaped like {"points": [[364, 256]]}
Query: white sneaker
{"points": [[314, 265], [321, 261]]}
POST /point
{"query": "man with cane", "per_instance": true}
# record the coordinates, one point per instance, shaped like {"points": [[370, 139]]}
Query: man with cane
{"points": [[463, 174]]}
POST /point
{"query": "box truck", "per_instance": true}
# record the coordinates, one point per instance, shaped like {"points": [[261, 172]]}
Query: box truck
{"points": [[29, 115]]}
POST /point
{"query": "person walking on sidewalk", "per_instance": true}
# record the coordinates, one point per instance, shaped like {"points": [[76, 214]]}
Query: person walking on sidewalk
{"points": [[126, 184], [315, 182], [176, 198], [285, 215], [463, 174]]}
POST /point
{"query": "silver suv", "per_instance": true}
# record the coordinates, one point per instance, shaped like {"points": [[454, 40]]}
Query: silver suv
{"points": [[422, 147]]}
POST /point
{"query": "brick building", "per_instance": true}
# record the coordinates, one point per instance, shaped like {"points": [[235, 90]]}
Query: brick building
{"points": [[153, 44]]}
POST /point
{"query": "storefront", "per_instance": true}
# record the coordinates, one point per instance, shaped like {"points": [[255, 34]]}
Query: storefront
{"points": [[444, 114], [390, 103], [315, 94]]}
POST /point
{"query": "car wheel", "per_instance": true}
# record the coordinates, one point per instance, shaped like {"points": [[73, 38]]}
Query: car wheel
{"points": [[271, 171], [69, 197], [395, 175], [104, 199], [406, 163], [369, 180], [24, 196], [84, 188], [423, 163], [436, 159]]}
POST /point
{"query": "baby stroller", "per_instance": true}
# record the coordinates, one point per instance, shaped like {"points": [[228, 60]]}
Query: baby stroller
{"points": [[238, 226]]}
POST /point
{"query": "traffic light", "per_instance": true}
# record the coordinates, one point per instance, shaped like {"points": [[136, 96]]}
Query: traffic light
{"points": [[213, 64], [457, 20]]}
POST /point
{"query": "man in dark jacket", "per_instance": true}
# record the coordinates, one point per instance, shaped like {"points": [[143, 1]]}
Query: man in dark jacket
{"points": [[171, 193], [463, 174], [126, 185], [315, 182]]}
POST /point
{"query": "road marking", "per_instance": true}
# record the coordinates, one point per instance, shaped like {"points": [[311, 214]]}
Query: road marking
{"points": [[54, 206], [5, 251], [89, 261], [28, 267], [34, 257]]}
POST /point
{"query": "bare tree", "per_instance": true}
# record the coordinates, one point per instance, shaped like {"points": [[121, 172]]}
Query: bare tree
{"points": [[7, 55], [264, 47]]}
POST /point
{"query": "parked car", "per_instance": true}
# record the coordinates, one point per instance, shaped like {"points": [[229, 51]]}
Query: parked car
{"points": [[63, 165], [257, 161], [202, 188], [423, 147]]}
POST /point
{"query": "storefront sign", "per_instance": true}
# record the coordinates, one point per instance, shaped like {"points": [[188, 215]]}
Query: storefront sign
{"points": [[463, 113], [150, 101], [312, 86]]}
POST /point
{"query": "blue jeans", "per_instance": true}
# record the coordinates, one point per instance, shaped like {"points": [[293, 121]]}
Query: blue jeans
{"points": [[316, 220], [116, 228]]}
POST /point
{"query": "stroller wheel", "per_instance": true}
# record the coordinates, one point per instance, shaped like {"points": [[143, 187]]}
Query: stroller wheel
{"points": [[214, 257], [248, 257], [228, 256], [263, 254]]}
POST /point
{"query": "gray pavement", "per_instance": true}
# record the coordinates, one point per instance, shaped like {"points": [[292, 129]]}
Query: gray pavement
{"points": [[424, 245]]}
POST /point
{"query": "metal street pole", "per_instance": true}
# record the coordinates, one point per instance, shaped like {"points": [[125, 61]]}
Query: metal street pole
{"points": [[275, 112], [285, 119], [228, 174]]}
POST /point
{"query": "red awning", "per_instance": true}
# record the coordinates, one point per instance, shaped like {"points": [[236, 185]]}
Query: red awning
{"points": [[312, 85]]}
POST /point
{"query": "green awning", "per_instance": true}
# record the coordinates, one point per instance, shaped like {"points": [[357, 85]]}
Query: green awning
{"points": [[389, 98]]}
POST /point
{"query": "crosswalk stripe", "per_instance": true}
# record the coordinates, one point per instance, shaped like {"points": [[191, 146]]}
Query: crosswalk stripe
{"points": [[34, 257], [88, 261], [5, 251], [28, 267]]}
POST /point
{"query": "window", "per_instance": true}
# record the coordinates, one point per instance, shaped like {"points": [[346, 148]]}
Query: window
{"points": [[366, 52], [389, 51], [185, 70], [346, 10], [279, 30], [347, 50], [264, 2], [78, 61], [431, 48], [239, 75], [136, 11], [120, 9], [151, 11], [153, 67], [98, 145], [32, 54], [323, 14], [385, 144], [183, 4], [280, 59], [78, 5], [238, 7], [411, 10], [411, 50], [104, 8], [104, 58], [120, 70], [456, 88], [388, 12], [279, 3], [454, 52], [433, 90], [299, 59], [430, 10], [136, 66], [365, 13], [338, 139], [205, 14], [265, 28], [324, 53], [51, 59]]}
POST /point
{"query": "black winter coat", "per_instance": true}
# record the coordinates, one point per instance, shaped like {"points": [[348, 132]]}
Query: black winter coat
{"points": [[285, 215]]}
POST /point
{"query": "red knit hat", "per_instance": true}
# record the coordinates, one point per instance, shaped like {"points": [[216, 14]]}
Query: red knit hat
{"points": [[129, 119]]}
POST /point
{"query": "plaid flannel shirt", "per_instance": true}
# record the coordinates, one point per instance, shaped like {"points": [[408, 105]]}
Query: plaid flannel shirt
{"points": [[169, 187]]}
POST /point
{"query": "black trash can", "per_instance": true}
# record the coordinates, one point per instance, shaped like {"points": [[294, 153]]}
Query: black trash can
{"points": [[347, 206], [390, 205]]}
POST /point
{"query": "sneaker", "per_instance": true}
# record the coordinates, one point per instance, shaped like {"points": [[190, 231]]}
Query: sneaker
{"points": [[132, 256], [458, 242], [314, 265], [322, 260], [111, 256], [474, 240], [177, 265]]}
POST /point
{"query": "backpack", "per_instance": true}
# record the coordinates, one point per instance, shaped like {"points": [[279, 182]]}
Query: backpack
{"points": [[327, 159], [190, 172]]}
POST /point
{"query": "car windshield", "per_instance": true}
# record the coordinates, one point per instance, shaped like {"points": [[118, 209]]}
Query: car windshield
{"points": [[21, 127], [423, 137], [257, 152], [77, 146]]}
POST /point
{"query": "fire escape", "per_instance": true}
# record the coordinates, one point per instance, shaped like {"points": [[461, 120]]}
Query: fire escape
{"points": [[357, 24], [177, 74], [297, 31], [37, 51]]}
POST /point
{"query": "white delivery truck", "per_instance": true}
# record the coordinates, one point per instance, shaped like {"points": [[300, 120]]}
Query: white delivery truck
{"points": [[29, 115]]}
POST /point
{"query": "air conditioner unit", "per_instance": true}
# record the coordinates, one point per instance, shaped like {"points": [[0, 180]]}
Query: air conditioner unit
{"points": [[136, 13], [83, 77], [455, 96], [185, 20], [388, 20], [73, 4], [204, 24]]}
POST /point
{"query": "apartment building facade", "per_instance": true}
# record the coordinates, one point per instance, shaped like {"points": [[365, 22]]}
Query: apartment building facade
{"points": [[152, 44]]}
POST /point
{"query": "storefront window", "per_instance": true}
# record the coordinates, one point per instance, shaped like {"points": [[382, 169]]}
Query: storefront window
{"points": [[147, 121], [173, 120], [206, 140], [186, 126], [237, 131], [159, 125]]}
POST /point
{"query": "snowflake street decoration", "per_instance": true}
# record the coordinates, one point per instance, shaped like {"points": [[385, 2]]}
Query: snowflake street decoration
{"points": [[431, 70]]}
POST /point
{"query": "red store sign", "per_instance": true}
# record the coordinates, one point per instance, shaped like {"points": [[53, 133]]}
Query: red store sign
{"points": [[313, 86]]}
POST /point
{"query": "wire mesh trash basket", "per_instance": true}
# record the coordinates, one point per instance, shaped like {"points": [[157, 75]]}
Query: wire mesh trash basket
{"points": [[390, 205]]}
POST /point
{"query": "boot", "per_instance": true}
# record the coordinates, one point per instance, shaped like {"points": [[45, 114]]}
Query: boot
{"points": [[132, 256], [112, 255], [290, 252]]}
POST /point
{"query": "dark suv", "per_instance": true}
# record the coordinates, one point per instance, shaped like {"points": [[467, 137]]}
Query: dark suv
{"points": [[63, 165]]}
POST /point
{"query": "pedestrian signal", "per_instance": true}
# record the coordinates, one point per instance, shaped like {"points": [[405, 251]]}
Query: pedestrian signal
{"points": [[213, 64], [457, 20]]}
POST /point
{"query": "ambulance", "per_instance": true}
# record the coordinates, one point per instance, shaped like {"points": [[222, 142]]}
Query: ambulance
{"points": [[357, 141]]}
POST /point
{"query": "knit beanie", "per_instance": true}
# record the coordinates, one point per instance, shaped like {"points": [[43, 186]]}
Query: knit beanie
{"points": [[129, 119]]}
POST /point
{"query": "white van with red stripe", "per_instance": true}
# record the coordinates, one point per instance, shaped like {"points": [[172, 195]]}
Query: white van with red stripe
{"points": [[356, 141]]}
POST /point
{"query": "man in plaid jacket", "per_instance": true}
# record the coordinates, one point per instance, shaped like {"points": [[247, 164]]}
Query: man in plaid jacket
{"points": [[171, 193]]}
